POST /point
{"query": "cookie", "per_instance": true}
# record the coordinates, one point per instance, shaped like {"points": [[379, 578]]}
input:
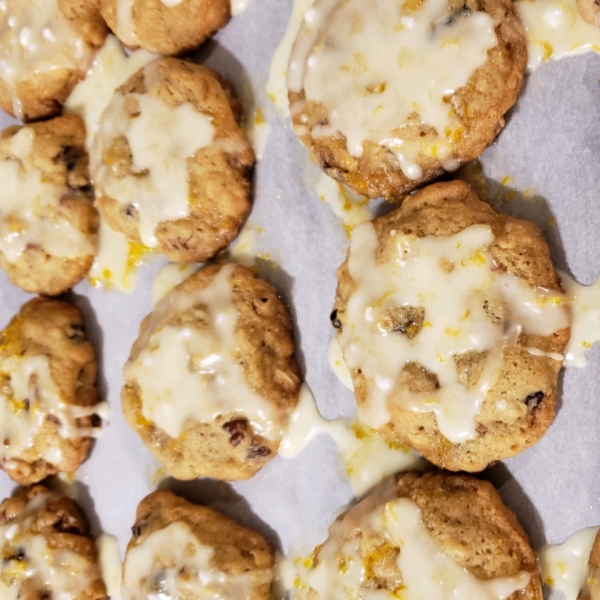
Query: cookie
{"points": [[180, 550], [48, 397], [171, 165], [433, 536], [46, 548], [211, 380], [165, 27], [388, 101], [45, 49], [48, 224], [591, 588], [453, 323], [590, 11]]}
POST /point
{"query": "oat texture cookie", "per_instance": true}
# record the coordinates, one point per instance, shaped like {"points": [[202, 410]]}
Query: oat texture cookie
{"points": [[179, 550], [48, 224], [48, 398], [168, 28], [171, 165], [211, 380], [433, 536], [590, 11], [46, 549], [386, 101], [591, 588], [45, 49], [453, 322]]}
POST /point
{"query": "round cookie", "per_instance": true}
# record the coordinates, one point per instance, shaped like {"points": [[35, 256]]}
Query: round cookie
{"points": [[211, 380], [590, 11], [171, 165], [48, 224], [435, 535], [168, 28], [46, 549], [45, 49], [387, 101], [193, 552], [453, 322], [48, 396]]}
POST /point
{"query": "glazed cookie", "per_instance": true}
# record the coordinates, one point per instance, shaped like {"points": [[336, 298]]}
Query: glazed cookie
{"points": [[171, 165], [591, 588], [212, 380], [452, 321], [48, 224], [46, 549], [431, 536], [386, 101], [48, 397], [167, 27], [180, 550], [590, 11], [45, 49]]}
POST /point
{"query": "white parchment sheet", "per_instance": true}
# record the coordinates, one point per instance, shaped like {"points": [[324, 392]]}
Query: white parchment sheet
{"points": [[550, 149]]}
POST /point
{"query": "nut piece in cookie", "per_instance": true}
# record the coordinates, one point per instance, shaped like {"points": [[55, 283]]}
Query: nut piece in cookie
{"points": [[181, 550], [48, 224], [388, 100], [435, 535], [590, 11], [211, 381], [48, 397], [452, 321], [171, 165], [45, 49], [46, 549], [165, 27]]}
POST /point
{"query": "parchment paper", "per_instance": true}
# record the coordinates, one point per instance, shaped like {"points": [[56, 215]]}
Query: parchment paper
{"points": [[550, 147]]}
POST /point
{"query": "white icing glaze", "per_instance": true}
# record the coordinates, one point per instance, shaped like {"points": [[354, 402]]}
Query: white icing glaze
{"points": [[367, 457], [350, 207], [238, 7], [35, 37], [426, 571], [169, 277], [585, 330], [422, 274], [564, 566], [171, 3], [28, 396], [258, 129], [555, 29], [125, 28], [109, 556], [162, 139], [338, 364], [244, 251], [64, 574], [276, 86], [284, 575], [111, 68], [171, 563], [365, 65], [116, 264], [192, 373], [28, 206]]}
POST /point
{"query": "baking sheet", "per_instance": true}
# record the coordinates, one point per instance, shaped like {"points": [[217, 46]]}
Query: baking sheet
{"points": [[550, 148]]}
